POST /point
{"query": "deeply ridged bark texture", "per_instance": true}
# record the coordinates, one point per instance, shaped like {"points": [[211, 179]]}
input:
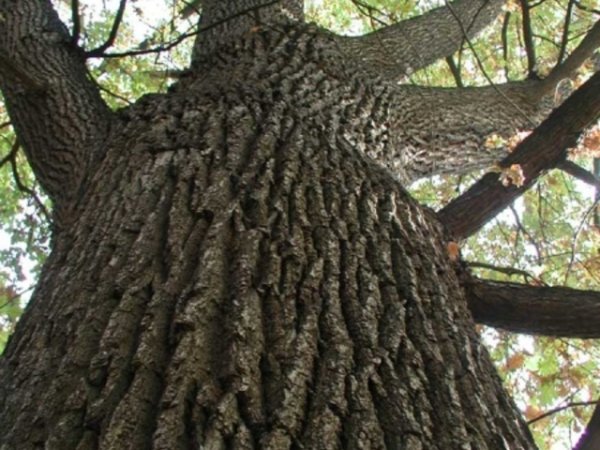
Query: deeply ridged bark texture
{"points": [[242, 276]]}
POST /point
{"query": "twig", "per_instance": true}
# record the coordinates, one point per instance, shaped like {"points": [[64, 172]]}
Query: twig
{"points": [[22, 187], [455, 71], [510, 271], [587, 8], [580, 173], [528, 38], [565, 36], [483, 71], [15, 296], [181, 38], [99, 51], [505, 24], [76, 22], [575, 237], [562, 408], [11, 154]]}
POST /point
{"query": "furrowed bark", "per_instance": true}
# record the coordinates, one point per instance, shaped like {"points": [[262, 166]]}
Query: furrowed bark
{"points": [[398, 50], [542, 150], [549, 311], [242, 276], [450, 130], [44, 82], [226, 22], [589, 44]]}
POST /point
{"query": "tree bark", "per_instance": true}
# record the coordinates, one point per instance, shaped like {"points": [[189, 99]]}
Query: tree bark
{"points": [[56, 110], [464, 215], [241, 275], [401, 49], [544, 310]]}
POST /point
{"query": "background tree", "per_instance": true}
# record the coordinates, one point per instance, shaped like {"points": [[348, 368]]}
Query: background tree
{"points": [[409, 129]]}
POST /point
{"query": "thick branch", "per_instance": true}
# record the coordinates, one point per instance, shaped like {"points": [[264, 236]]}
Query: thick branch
{"points": [[584, 50], [224, 22], [548, 311], [540, 151], [415, 43], [56, 110], [457, 130]]}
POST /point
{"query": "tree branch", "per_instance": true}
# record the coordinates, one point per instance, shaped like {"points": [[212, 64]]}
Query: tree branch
{"points": [[99, 51], [584, 50], [542, 310], [540, 151], [559, 409], [44, 81], [412, 44], [76, 31], [565, 38], [579, 172], [528, 39], [448, 130]]}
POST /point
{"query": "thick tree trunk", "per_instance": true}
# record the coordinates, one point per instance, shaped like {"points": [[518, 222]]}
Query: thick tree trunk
{"points": [[241, 275]]}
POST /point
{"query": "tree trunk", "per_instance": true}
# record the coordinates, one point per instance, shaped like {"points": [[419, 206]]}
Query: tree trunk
{"points": [[242, 276]]}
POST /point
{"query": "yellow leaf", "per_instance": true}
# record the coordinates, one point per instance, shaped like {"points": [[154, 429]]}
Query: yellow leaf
{"points": [[512, 175]]}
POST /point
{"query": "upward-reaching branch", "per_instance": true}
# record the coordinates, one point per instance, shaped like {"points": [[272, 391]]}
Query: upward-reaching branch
{"points": [[541, 151], [415, 43], [56, 110]]}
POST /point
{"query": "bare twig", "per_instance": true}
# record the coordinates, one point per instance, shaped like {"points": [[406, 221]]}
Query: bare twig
{"points": [[11, 154], [505, 24], [576, 237], [455, 71], [580, 173], [528, 39], [562, 408], [565, 37], [510, 271], [16, 296], [22, 187], [76, 21], [184, 36]]}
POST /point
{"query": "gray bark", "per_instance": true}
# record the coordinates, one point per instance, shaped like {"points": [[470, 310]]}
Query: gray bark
{"points": [[401, 49], [241, 275], [543, 310], [55, 109], [238, 271]]}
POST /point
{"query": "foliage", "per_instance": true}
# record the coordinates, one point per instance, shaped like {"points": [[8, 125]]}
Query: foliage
{"points": [[547, 237]]}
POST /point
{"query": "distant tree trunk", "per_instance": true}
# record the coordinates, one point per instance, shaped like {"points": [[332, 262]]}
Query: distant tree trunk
{"points": [[240, 275]]}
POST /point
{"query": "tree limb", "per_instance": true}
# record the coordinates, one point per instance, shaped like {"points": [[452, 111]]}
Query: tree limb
{"points": [[44, 81], [540, 151], [579, 172], [528, 38], [447, 130], [542, 310], [412, 44], [76, 30], [584, 50], [99, 51]]}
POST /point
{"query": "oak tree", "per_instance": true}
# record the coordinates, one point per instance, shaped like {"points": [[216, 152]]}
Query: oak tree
{"points": [[236, 263]]}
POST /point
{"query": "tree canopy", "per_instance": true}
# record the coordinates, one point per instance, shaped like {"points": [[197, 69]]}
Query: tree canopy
{"points": [[548, 236]]}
